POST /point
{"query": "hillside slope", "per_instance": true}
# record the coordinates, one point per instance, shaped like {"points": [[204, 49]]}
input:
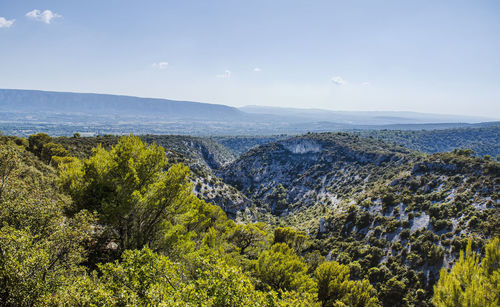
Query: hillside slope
{"points": [[395, 216], [300, 171]]}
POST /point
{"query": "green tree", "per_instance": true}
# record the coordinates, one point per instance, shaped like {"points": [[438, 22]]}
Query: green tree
{"points": [[249, 236], [128, 189], [145, 278], [36, 143], [278, 198], [332, 279], [8, 164], [297, 240], [138, 201], [51, 150], [361, 294], [313, 260], [281, 269], [471, 282], [141, 278], [334, 287], [392, 291], [40, 248], [34, 266]]}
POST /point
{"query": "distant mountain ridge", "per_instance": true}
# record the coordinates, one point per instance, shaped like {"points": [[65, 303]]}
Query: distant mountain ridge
{"points": [[23, 112], [101, 104], [366, 117]]}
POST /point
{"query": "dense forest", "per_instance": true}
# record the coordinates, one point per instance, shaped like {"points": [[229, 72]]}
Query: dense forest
{"points": [[315, 220]]}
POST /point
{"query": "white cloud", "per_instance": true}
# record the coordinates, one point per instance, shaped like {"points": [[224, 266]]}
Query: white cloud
{"points": [[45, 16], [366, 84], [338, 80], [4, 23], [225, 75], [256, 69], [160, 65]]}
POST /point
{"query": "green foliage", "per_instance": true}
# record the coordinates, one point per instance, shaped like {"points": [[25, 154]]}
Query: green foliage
{"points": [[361, 294], [138, 202], [332, 280], [190, 150], [141, 278], [277, 198], [8, 162], [295, 239], [33, 266], [463, 152], [51, 150], [40, 248], [281, 269], [472, 281], [144, 278], [250, 236], [44, 147], [36, 143], [334, 287], [313, 259], [393, 291]]}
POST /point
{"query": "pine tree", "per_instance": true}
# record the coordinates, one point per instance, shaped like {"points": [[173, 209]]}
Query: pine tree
{"points": [[471, 282]]}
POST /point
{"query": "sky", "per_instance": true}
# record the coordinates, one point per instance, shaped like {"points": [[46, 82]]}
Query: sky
{"points": [[425, 56]]}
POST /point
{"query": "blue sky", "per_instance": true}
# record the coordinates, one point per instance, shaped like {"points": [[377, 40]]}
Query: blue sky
{"points": [[426, 56]]}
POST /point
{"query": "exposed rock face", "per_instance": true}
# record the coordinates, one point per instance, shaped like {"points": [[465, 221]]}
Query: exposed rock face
{"points": [[322, 225], [420, 222], [213, 190], [301, 146]]}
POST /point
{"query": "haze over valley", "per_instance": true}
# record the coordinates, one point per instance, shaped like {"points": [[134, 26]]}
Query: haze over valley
{"points": [[58, 113]]}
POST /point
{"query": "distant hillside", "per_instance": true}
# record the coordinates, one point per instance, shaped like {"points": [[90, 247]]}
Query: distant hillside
{"points": [[24, 112], [28, 101], [484, 141], [364, 117]]}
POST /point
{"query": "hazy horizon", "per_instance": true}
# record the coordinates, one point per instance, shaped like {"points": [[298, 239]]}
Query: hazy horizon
{"points": [[263, 107], [425, 57]]}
